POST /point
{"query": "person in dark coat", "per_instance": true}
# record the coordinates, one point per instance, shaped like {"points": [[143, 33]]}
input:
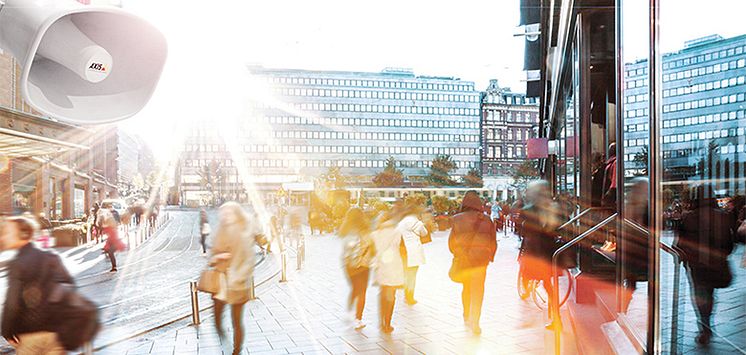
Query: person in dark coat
{"points": [[706, 240], [539, 231], [25, 321], [634, 242], [473, 243]]}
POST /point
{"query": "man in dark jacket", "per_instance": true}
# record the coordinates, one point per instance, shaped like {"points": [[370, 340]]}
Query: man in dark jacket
{"points": [[25, 322], [473, 243], [706, 240]]}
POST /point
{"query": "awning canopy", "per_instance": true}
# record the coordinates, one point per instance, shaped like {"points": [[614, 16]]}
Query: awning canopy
{"points": [[16, 144]]}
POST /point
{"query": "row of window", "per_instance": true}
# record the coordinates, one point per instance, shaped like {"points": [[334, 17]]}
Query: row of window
{"points": [[715, 117], [510, 100], [497, 152], [688, 152], [326, 163], [512, 116], [712, 85], [373, 83], [369, 94], [419, 137], [694, 104], [710, 69], [432, 110], [689, 137], [669, 63], [265, 148], [509, 134], [379, 122]]}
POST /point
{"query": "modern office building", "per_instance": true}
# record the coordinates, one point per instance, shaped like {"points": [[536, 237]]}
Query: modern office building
{"points": [[703, 113], [508, 121], [352, 120]]}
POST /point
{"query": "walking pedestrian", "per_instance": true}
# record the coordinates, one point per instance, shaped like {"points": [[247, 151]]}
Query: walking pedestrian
{"points": [[25, 322], [113, 244], [473, 243], [232, 254], [95, 230], [204, 229], [706, 240], [539, 231], [357, 257], [412, 230], [389, 266]]}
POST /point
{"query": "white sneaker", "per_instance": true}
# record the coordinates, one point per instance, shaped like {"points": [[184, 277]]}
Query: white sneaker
{"points": [[359, 324]]}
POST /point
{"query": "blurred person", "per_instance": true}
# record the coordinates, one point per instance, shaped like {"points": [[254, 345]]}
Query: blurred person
{"points": [[232, 254], [389, 265], [515, 215], [126, 220], [109, 226], [95, 230], [412, 231], [295, 227], [204, 229], [357, 257], [706, 240], [473, 243], [539, 230], [138, 210], [25, 322], [635, 243], [608, 196], [153, 216], [495, 213]]}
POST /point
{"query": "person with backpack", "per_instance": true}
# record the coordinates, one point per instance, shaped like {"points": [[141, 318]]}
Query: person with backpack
{"points": [[473, 243], [357, 257], [43, 314]]}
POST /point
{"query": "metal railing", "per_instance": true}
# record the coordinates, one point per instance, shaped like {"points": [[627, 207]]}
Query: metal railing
{"points": [[554, 304], [580, 215], [676, 281]]}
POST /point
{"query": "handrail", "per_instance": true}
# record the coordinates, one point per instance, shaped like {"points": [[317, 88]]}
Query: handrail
{"points": [[580, 215], [676, 278], [665, 247], [554, 309]]}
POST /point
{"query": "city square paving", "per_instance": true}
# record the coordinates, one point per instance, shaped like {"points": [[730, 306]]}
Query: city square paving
{"points": [[308, 314]]}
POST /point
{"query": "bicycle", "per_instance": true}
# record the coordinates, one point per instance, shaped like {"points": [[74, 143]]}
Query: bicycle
{"points": [[530, 288]]}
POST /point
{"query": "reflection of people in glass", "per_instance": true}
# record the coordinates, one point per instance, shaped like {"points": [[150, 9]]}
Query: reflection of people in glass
{"points": [[540, 222], [635, 243], [609, 187], [706, 241]]}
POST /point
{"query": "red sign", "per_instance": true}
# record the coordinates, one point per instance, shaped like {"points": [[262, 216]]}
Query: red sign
{"points": [[537, 148]]}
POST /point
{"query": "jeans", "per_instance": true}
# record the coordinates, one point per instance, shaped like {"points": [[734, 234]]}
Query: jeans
{"points": [[112, 258], [359, 283], [472, 294], [236, 314], [203, 238], [39, 343], [387, 300]]}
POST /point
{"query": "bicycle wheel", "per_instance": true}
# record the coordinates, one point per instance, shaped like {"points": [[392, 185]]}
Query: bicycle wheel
{"points": [[541, 298], [523, 286]]}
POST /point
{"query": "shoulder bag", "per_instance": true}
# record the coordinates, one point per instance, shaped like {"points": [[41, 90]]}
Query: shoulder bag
{"points": [[209, 281]]}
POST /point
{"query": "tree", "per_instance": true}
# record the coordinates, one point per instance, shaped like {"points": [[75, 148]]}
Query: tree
{"points": [[333, 179], [473, 178], [390, 176], [641, 160], [440, 171], [525, 173], [211, 179]]}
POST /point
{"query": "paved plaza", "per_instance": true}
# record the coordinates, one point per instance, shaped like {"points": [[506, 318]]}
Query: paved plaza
{"points": [[308, 314]]}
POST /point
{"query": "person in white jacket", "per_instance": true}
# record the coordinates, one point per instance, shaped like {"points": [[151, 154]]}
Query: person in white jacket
{"points": [[412, 229], [389, 266]]}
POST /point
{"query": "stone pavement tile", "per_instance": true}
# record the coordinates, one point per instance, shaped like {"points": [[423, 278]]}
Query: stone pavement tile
{"points": [[142, 349], [268, 352], [210, 349], [434, 348], [305, 348], [397, 347]]}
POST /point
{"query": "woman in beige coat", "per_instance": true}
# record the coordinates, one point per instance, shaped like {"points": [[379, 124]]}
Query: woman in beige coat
{"points": [[232, 254]]}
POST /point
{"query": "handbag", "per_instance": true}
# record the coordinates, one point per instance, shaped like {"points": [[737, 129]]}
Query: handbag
{"points": [[456, 272], [209, 281], [427, 238]]}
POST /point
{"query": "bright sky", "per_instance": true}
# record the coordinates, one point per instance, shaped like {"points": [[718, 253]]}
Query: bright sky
{"points": [[210, 42]]}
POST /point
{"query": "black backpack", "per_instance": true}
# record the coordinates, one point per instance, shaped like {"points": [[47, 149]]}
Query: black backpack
{"points": [[72, 316]]}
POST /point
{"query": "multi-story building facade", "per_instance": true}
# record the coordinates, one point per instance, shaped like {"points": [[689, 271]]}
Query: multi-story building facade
{"points": [[508, 121], [351, 120], [704, 109]]}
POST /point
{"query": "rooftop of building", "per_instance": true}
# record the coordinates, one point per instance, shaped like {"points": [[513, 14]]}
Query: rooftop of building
{"points": [[388, 72]]}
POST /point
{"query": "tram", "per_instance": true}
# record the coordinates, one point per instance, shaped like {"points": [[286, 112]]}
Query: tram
{"points": [[618, 111]]}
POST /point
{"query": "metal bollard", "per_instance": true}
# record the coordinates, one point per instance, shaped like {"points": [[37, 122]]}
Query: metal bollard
{"points": [[88, 348], [195, 302], [252, 289], [284, 257]]}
